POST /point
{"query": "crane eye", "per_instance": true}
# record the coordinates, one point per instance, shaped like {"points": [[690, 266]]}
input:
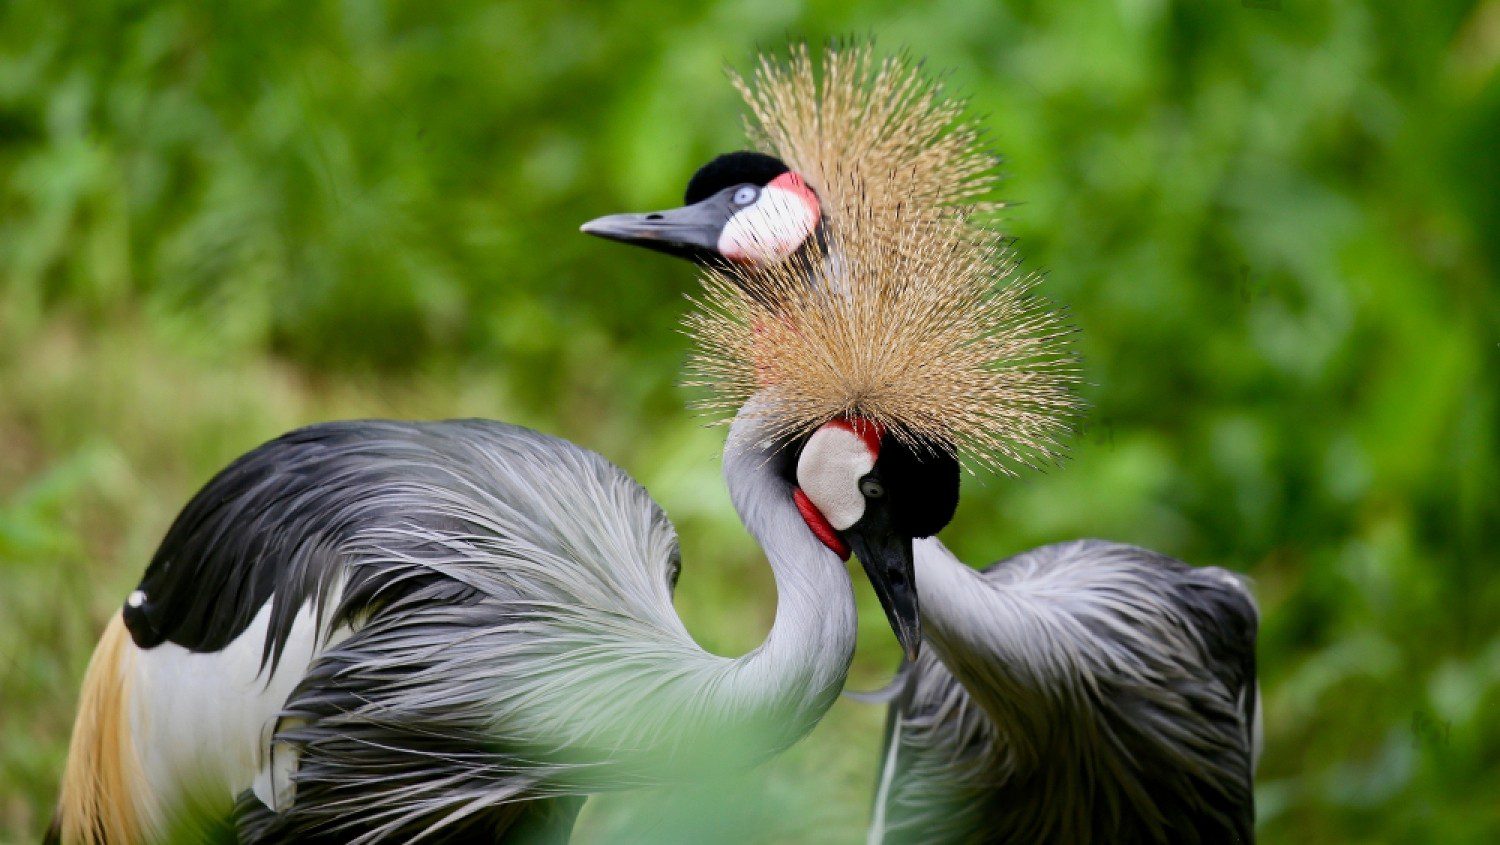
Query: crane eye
{"points": [[745, 195], [871, 488]]}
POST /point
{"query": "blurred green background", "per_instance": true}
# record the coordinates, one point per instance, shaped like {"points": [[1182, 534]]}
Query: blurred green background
{"points": [[1277, 225]]}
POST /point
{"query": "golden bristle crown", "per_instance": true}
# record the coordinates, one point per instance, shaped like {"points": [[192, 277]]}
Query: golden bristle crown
{"points": [[906, 312], [873, 136]]}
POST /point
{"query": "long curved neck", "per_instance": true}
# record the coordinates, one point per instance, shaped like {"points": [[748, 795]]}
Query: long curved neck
{"points": [[630, 697], [795, 675], [948, 587], [992, 637]]}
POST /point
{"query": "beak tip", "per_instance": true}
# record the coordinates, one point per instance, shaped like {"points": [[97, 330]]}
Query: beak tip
{"points": [[912, 646]]}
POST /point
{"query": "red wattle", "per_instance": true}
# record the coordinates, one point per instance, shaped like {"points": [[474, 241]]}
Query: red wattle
{"points": [[819, 524]]}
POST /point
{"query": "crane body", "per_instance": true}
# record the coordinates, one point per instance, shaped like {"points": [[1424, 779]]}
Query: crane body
{"points": [[1079, 692], [370, 631]]}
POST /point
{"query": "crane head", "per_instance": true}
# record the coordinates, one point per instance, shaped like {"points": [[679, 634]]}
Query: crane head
{"points": [[861, 489], [742, 207]]}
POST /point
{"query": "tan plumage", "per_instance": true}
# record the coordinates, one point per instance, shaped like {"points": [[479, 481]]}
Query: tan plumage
{"points": [[911, 310], [96, 805]]}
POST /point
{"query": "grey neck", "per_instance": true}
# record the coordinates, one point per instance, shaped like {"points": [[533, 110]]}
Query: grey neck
{"points": [[802, 664], [947, 587], [991, 636]]}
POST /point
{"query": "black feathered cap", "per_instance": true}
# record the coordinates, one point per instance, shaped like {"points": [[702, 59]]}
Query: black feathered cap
{"points": [[738, 168]]}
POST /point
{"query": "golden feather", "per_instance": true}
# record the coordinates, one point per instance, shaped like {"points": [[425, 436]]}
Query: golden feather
{"points": [[873, 136], [908, 311]]}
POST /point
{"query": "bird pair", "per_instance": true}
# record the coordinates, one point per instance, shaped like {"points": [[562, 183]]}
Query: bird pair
{"points": [[381, 631]]}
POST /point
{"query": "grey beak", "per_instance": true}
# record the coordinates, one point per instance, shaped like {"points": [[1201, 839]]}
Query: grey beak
{"points": [[690, 232]]}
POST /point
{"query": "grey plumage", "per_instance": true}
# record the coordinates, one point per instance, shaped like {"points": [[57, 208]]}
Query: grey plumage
{"points": [[1079, 692]]}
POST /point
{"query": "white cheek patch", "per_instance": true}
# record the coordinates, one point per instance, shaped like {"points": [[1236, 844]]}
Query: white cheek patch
{"points": [[770, 229], [829, 470]]}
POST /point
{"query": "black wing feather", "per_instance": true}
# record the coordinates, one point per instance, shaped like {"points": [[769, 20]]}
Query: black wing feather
{"points": [[273, 523]]}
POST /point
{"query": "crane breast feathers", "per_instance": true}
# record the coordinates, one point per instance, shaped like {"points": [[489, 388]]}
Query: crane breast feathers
{"points": [[531, 626]]}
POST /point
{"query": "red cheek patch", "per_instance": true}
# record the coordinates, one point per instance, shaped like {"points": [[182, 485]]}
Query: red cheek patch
{"points": [[794, 183], [819, 524]]}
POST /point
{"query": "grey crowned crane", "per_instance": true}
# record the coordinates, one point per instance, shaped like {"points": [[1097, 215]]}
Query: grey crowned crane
{"points": [[1080, 692], [388, 631]]}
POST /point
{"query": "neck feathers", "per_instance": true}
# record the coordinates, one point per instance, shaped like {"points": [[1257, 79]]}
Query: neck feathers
{"points": [[795, 675], [1004, 643]]}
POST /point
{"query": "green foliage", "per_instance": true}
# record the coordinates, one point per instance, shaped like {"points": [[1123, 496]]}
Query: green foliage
{"points": [[1277, 229]]}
